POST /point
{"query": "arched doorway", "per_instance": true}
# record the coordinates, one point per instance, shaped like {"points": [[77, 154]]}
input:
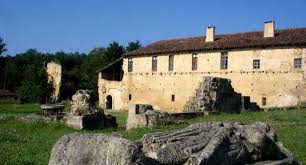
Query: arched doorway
{"points": [[109, 102]]}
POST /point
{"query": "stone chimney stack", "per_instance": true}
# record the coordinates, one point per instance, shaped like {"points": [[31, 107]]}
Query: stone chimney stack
{"points": [[210, 34], [269, 29]]}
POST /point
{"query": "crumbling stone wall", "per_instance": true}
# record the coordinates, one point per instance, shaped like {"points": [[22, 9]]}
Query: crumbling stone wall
{"points": [[82, 113], [144, 115], [215, 95], [54, 71]]}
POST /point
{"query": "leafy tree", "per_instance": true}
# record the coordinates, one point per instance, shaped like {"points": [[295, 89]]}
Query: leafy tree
{"points": [[25, 73], [34, 87], [114, 51], [2, 46], [133, 46]]}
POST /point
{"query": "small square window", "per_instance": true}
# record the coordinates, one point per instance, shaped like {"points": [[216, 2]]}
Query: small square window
{"points": [[256, 64], [297, 63], [172, 98], [130, 96], [264, 101]]}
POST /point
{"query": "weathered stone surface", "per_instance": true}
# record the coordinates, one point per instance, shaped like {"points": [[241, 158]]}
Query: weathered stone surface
{"points": [[91, 121], [83, 114], [215, 95], [80, 149], [143, 115], [82, 103], [201, 143], [216, 143]]}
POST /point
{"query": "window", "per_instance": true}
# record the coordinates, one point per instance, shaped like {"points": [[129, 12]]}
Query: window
{"points": [[154, 63], [171, 59], [194, 61], [130, 64], [256, 64], [224, 59], [172, 98], [264, 101], [130, 96], [297, 63]]}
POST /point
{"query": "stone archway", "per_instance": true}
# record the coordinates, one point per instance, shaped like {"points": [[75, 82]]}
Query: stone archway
{"points": [[109, 102]]}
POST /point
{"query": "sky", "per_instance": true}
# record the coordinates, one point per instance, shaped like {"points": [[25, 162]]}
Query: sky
{"points": [[80, 26]]}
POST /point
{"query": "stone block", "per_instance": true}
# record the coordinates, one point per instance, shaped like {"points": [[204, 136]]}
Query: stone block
{"points": [[90, 122]]}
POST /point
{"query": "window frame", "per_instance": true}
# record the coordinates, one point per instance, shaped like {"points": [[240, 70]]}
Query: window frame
{"points": [[256, 65], [264, 101], [299, 65], [154, 63], [194, 62], [224, 61], [130, 64], [171, 63]]}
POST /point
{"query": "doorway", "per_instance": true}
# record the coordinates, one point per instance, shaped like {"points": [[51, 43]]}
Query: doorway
{"points": [[109, 102]]}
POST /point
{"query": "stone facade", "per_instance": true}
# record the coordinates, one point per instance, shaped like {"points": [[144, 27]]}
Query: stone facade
{"points": [[156, 88], [54, 71], [275, 83]]}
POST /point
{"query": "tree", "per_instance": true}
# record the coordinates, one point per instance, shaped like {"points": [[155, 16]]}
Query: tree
{"points": [[133, 46], [114, 51], [2, 46], [35, 86]]}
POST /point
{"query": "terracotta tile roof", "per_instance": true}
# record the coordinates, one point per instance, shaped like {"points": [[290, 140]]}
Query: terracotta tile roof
{"points": [[284, 37]]}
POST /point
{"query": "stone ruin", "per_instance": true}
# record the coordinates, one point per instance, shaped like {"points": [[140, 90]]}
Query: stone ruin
{"points": [[54, 71], [141, 115], [82, 113], [215, 95], [82, 103], [201, 143]]}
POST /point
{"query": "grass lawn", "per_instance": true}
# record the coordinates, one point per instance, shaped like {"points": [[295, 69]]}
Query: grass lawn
{"points": [[31, 142]]}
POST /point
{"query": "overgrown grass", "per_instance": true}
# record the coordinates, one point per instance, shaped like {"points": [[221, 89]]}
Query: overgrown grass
{"points": [[19, 109], [31, 142]]}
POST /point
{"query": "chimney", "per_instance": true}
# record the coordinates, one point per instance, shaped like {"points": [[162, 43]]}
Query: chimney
{"points": [[210, 34], [269, 29]]}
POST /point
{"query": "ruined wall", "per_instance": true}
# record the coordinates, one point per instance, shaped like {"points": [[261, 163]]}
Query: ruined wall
{"points": [[276, 79], [113, 89], [54, 71]]}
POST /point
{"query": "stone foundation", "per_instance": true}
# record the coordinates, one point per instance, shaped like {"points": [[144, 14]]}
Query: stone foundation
{"points": [[90, 122]]}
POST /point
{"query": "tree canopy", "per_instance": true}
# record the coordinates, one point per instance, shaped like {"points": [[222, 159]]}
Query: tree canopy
{"points": [[25, 73], [2, 47]]}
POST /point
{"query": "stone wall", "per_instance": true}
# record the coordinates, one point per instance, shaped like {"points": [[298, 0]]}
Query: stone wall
{"points": [[276, 80], [54, 71]]}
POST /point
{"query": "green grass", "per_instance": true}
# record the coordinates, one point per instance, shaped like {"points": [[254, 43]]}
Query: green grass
{"points": [[31, 142], [19, 109]]}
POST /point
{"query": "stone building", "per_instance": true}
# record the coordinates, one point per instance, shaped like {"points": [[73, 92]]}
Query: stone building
{"points": [[54, 71], [267, 66]]}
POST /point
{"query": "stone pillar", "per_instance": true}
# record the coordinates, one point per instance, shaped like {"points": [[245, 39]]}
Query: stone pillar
{"points": [[54, 71]]}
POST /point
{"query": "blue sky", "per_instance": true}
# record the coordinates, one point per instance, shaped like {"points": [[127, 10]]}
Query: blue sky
{"points": [[79, 25]]}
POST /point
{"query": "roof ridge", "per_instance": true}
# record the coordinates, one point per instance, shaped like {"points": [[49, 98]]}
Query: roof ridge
{"points": [[292, 36], [225, 34]]}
